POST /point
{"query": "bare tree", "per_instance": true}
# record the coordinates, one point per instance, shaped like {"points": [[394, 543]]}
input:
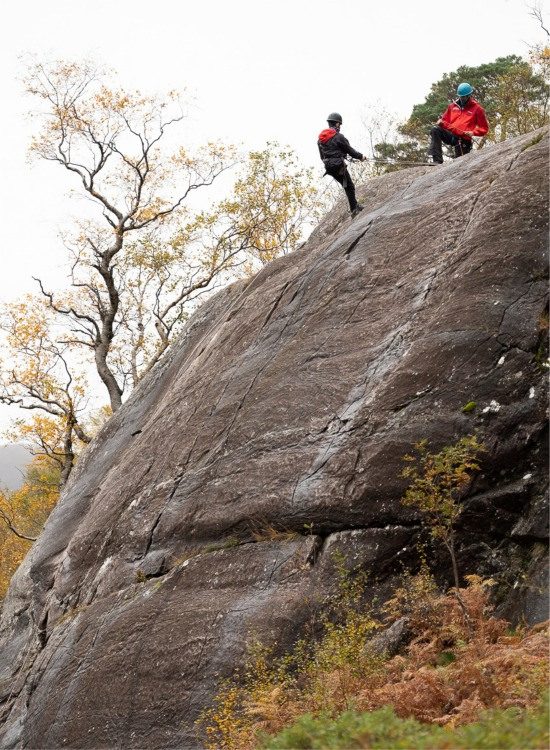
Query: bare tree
{"points": [[380, 126], [536, 12], [161, 279], [115, 143]]}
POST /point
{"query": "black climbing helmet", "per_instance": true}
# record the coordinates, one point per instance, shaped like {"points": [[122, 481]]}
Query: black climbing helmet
{"points": [[334, 117]]}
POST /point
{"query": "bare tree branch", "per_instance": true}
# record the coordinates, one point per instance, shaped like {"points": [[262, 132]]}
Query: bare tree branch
{"points": [[536, 12], [14, 530]]}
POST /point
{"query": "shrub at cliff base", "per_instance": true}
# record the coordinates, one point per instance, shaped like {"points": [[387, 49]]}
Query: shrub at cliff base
{"points": [[455, 661], [437, 690], [382, 729]]}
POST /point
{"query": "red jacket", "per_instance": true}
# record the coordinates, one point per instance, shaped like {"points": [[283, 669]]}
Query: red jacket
{"points": [[472, 117]]}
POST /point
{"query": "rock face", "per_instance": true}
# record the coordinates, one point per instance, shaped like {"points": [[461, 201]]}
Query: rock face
{"points": [[273, 434]]}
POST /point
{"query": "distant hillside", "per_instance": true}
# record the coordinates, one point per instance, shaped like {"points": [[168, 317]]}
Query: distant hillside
{"points": [[13, 459]]}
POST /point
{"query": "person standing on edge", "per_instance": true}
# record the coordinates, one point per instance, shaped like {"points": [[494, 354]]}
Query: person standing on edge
{"points": [[333, 148], [462, 119]]}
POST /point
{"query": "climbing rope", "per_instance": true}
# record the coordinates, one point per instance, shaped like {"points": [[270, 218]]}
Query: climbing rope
{"points": [[396, 163]]}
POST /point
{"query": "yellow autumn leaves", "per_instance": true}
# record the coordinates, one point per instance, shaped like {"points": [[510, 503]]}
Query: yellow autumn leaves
{"points": [[142, 256]]}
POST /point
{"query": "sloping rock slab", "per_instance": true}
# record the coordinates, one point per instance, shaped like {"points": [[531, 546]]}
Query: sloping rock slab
{"points": [[210, 506]]}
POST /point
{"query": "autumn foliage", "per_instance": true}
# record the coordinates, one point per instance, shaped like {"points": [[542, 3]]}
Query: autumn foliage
{"points": [[455, 659], [447, 674], [437, 483], [23, 513], [141, 256], [38, 374]]}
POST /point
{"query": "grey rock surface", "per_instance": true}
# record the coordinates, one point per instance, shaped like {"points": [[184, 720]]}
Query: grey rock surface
{"points": [[288, 404], [390, 640]]}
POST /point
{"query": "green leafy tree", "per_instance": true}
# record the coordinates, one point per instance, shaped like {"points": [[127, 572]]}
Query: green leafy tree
{"points": [[514, 96], [514, 93], [399, 154], [438, 482]]}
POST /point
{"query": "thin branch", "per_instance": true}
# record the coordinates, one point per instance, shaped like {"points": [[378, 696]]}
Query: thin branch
{"points": [[536, 12], [7, 520], [65, 311]]}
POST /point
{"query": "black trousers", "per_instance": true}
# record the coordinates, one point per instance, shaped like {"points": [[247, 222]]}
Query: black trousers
{"points": [[439, 135], [342, 176]]}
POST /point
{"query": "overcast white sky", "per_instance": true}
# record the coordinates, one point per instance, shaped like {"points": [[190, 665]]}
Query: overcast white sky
{"points": [[260, 71]]}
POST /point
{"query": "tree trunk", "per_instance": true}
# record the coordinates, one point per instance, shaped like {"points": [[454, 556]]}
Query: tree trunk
{"points": [[450, 544], [108, 315], [68, 454], [104, 372]]}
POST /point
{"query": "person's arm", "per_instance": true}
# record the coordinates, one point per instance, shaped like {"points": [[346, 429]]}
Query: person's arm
{"points": [[482, 126], [445, 122], [344, 145]]}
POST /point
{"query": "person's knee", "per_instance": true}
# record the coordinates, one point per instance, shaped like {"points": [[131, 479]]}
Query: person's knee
{"points": [[435, 130]]}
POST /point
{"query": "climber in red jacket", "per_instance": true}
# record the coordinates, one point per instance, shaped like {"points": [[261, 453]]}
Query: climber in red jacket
{"points": [[462, 119]]}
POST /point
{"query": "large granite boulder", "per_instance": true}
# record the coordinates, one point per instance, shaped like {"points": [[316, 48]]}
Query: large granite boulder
{"points": [[272, 435]]}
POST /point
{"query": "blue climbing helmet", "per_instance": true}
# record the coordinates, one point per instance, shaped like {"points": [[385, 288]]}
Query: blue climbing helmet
{"points": [[464, 89]]}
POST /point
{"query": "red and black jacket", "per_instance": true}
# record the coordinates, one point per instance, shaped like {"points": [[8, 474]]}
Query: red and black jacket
{"points": [[471, 117], [333, 148]]}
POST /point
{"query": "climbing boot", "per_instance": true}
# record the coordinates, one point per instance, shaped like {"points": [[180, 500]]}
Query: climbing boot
{"points": [[356, 210]]}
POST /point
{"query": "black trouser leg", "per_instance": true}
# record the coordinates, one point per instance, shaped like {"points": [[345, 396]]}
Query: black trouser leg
{"points": [[343, 177], [438, 136], [462, 147]]}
